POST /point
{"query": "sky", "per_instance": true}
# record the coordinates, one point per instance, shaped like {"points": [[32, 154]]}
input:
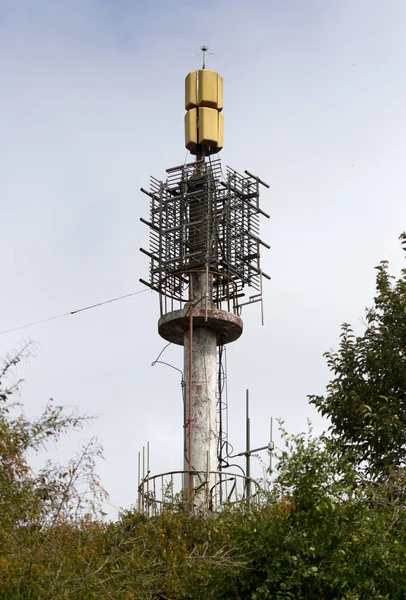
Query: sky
{"points": [[92, 105]]}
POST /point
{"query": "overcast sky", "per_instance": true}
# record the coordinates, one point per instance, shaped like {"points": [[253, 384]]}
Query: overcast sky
{"points": [[92, 104]]}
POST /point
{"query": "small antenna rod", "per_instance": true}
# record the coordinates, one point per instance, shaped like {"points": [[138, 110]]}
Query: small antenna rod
{"points": [[248, 446], [271, 446], [204, 49]]}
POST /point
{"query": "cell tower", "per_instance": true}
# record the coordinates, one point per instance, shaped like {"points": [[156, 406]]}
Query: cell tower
{"points": [[204, 252]]}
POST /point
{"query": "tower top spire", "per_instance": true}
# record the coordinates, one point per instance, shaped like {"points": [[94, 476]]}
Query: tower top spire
{"points": [[204, 49]]}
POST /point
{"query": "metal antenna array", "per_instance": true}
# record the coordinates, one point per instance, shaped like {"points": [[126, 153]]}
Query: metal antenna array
{"points": [[200, 221]]}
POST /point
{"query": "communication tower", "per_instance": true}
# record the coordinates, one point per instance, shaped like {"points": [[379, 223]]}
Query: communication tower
{"points": [[204, 251]]}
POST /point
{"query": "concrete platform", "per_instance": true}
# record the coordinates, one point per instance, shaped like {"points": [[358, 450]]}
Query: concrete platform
{"points": [[227, 326]]}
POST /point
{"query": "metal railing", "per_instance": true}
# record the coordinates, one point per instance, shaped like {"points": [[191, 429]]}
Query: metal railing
{"points": [[166, 490]]}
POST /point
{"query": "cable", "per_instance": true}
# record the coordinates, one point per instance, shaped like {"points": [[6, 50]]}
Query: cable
{"points": [[160, 354], [72, 312], [161, 362]]}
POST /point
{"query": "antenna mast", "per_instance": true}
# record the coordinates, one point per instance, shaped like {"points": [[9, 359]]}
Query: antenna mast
{"points": [[204, 256]]}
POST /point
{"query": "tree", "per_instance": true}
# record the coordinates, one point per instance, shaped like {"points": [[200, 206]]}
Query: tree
{"points": [[35, 503], [53, 492], [366, 400], [322, 532]]}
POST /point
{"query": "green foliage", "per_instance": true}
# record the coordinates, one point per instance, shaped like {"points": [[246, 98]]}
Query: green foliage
{"points": [[331, 539], [366, 400], [36, 506], [55, 492], [319, 533]]}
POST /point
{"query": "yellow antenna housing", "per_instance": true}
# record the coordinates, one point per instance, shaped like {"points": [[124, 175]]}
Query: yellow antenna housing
{"points": [[204, 123]]}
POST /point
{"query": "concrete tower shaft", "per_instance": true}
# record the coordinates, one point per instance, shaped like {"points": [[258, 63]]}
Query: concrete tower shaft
{"points": [[200, 408]]}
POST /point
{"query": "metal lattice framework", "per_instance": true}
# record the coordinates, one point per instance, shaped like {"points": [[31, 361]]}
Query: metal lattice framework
{"points": [[203, 220]]}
